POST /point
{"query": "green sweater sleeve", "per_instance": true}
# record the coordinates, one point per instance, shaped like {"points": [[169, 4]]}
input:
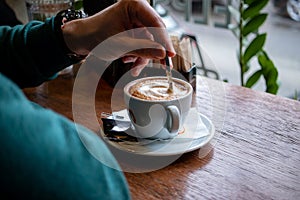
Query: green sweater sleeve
{"points": [[32, 53], [45, 156]]}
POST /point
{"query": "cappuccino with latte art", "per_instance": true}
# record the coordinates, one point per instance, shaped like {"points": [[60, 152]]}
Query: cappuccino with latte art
{"points": [[157, 89], [154, 111]]}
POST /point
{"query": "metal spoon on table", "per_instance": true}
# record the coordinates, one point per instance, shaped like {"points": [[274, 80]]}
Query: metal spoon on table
{"points": [[169, 74]]}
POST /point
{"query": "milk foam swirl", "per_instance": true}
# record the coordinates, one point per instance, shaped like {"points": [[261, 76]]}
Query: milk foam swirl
{"points": [[157, 89]]}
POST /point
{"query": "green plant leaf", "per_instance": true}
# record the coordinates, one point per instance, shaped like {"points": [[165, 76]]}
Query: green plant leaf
{"points": [[245, 68], [266, 63], [254, 8], [263, 59], [78, 4], [270, 72], [250, 1], [272, 89], [272, 76], [254, 47], [296, 95], [253, 78], [254, 23]]}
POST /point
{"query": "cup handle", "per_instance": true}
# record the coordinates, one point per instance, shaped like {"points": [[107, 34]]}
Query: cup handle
{"points": [[175, 120]]}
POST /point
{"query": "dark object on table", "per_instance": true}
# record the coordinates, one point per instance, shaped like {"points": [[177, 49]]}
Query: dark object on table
{"points": [[110, 122]]}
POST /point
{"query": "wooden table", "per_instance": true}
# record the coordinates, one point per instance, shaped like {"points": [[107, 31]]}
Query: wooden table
{"points": [[255, 153]]}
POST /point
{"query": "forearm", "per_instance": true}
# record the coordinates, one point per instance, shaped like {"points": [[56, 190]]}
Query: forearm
{"points": [[32, 53]]}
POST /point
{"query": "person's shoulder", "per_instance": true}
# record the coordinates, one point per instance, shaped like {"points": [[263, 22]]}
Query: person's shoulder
{"points": [[40, 144]]}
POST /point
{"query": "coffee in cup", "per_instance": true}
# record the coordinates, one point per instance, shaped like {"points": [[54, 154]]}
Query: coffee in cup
{"points": [[153, 110], [157, 90]]}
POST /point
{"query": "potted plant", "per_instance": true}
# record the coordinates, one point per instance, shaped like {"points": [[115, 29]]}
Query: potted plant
{"points": [[249, 18]]}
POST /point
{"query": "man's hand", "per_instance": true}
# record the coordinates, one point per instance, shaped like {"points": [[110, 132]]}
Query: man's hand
{"points": [[130, 29]]}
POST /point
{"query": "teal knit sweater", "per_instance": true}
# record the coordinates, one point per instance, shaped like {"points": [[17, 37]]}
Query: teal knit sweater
{"points": [[41, 153]]}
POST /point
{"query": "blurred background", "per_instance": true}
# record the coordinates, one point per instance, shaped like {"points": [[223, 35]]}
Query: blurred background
{"points": [[207, 20], [219, 46]]}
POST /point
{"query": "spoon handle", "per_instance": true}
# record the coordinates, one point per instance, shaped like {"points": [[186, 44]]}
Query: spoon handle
{"points": [[169, 74]]}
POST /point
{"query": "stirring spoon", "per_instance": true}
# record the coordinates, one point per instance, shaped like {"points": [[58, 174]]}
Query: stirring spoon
{"points": [[169, 74]]}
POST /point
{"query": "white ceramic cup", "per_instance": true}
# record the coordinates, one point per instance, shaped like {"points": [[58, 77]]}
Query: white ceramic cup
{"points": [[157, 119]]}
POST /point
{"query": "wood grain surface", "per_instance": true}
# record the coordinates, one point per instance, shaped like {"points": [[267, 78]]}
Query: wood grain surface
{"points": [[255, 153]]}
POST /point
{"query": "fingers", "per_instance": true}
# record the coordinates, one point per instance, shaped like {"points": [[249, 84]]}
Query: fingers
{"points": [[138, 66], [129, 59], [84, 35], [163, 63], [142, 14]]}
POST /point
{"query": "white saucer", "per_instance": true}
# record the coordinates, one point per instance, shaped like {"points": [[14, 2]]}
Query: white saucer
{"points": [[196, 135]]}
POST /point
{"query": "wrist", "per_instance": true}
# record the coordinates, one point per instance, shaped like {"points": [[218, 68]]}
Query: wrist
{"points": [[65, 30]]}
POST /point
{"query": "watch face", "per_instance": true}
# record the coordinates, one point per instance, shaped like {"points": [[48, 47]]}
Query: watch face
{"points": [[71, 14]]}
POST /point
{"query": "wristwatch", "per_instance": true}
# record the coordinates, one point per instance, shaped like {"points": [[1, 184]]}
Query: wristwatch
{"points": [[61, 18]]}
